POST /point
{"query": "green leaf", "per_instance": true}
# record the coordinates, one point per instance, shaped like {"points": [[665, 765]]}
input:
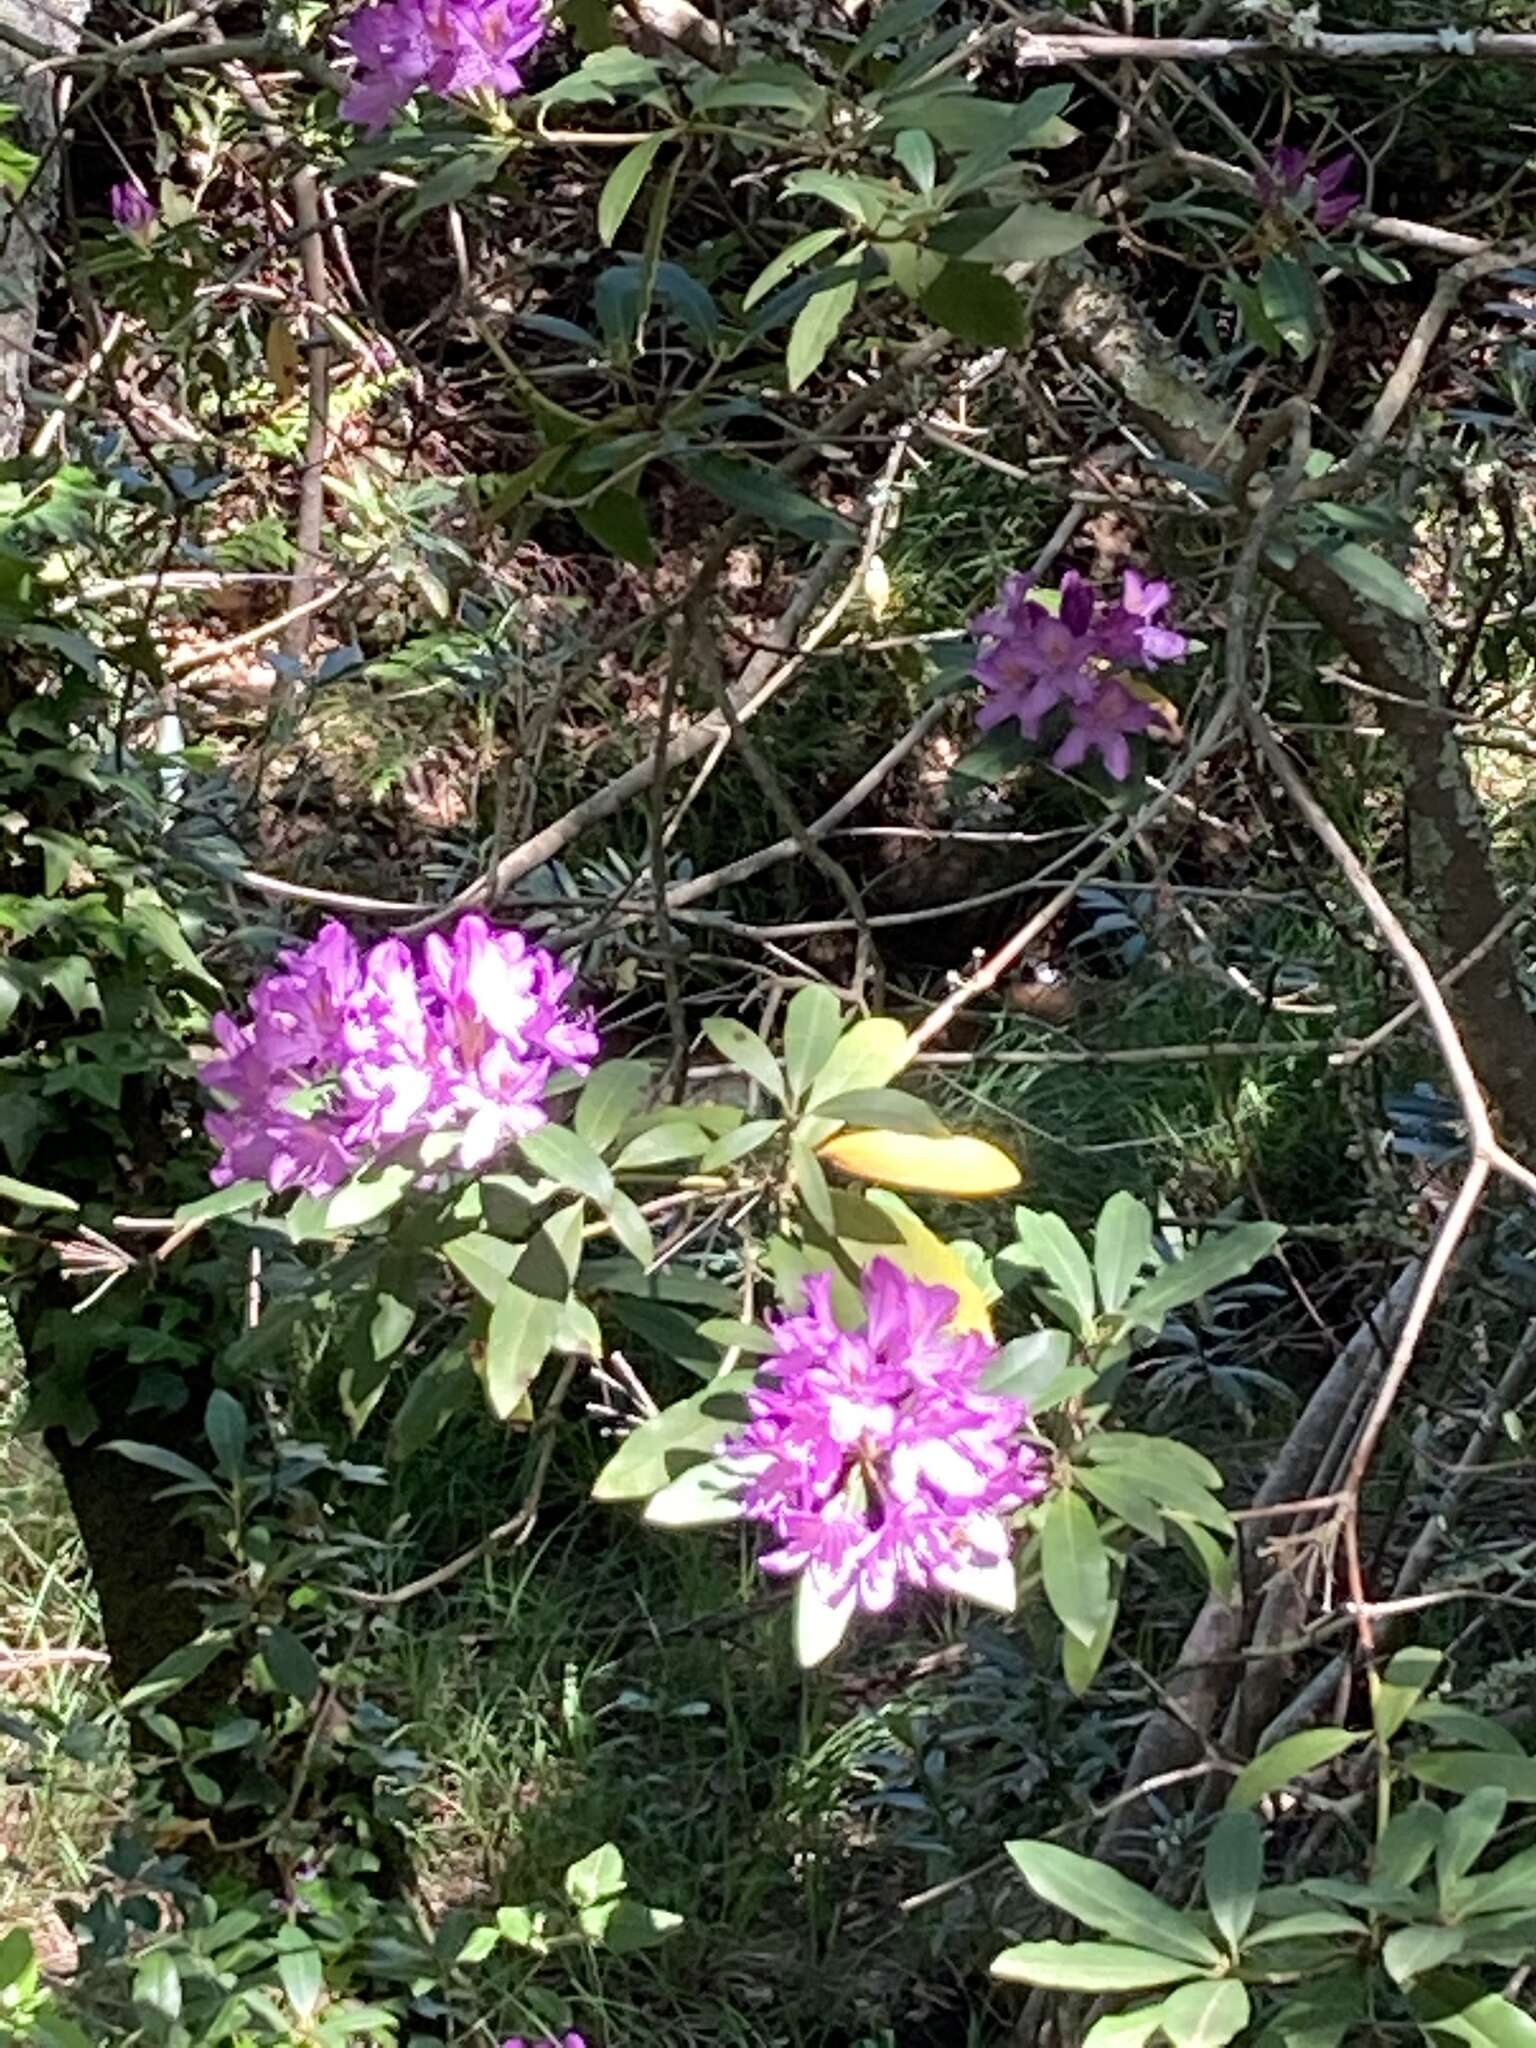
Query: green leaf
{"points": [[1074, 1565], [157, 1988], [32, 1197], [629, 1226], [812, 1183], [1460, 2010], [1217, 1259], [289, 1664], [1378, 580], [1398, 1690], [567, 1159], [885, 1109], [744, 1049], [663, 1144], [1100, 1897], [1461, 1725], [813, 1024], [1469, 1827], [1044, 1244], [1409, 1952], [1080, 1662], [818, 323], [738, 1144], [1206, 2015], [685, 1434], [366, 1196], [624, 1927], [1406, 1844], [596, 1876], [1234, 1870], [1292, 303], [888, 24], [231, 1201], [1470, 1770], [224, 1425], [486, 1262], [162, 1460], [873, 1052], [1122, 1247], [1301, 1926], [1027, 1367], [623, 185], [1124, 2029], [976, 305], [1033, 234], [703, 1495], [609, 1097], [517, 1342], [302, 1973], [1292, 1758], [389, 1326], [754, 487], [16, 1957], [176, 1670], [1511, 1885], [1115, 1489], [617, 520], [915, 153], [1086, 1966], [785, 264], [820, 1625]]}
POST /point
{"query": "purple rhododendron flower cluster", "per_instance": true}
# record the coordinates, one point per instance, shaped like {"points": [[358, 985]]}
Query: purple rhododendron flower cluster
{"points": [[1329, 194], [1034, 659], [873, 1454], [450, 46], [133, 210], [349, 1053]]}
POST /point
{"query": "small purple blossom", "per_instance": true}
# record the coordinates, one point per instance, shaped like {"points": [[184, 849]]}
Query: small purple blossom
{"points": [[875, 1455], [1329, 195], [449, 46], [1035, 660], [133, 210], [349, 1054]]}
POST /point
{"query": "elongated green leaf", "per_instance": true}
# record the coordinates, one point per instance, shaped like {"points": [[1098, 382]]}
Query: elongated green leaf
{"points": [[738, 1144], [1292, 1758], [31, 1197], [1044, 1244], [239, 1196], [1080, 1661], [157, 1988], [521, 1331], [1028, 1366], [176, 1670], [813, 1024], [1234, 1870], [1033, 234], [289, 1664], [1122, 1247], [702, 1495], [1115, 1488], [1406, 1844], [617, 521], [1468, 1770], [1411, 1951], [786, 263], [867, 1056], [1101, 1898], [885, 1109], [1460, 1725], [1398, 1690], [817, 325], [1124, 2029], [161, 1460], [1214, 1261], [1206, 2015], [888, 24], [914, 151], [1074, 1565], [1469, 1827], [753, 487], [683, 1435], [1511, 1886], [224, 1425], [567, 1159], [1452, 2008], [1292, 303], [1324, 1921], [1378, 580], [1086, 1966], [610, 1095], [977, 305], [744, 1049], [623, 185], [370, 1194]]}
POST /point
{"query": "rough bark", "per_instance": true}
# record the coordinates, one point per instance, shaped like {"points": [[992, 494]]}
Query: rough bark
{"points": [[24, 222]]}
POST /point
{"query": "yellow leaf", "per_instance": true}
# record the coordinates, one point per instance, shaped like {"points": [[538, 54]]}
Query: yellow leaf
{"points": [[1165, 708], [929, 1259], [284, 362], [934, 1166]]}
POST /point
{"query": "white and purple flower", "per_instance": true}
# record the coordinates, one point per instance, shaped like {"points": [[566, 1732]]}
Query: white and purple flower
{"points": [[874, 1455], [349, 1054]]}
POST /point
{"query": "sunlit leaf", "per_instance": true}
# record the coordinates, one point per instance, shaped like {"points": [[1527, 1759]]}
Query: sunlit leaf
{"points": [[960, 1166]]}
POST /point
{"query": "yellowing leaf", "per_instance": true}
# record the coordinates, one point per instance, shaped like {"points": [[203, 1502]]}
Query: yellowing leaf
{"points": [[929, 1259], [284, 363], [935, 1166], [1172, 727]]}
